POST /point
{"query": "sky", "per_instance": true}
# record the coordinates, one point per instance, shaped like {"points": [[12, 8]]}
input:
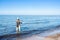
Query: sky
{"points": [[29, 7]]}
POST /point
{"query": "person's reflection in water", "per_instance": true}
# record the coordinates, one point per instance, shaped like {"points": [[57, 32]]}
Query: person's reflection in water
{"points": [[18, 37]]}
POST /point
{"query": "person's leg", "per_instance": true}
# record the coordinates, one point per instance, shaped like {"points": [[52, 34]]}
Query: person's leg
{"points": [[19, 27]]}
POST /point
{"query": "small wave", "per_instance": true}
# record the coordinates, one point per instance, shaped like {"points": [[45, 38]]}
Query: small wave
{"points": [[38, 22], [39, 30]]}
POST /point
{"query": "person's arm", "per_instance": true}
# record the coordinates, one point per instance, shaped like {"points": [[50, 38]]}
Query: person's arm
{"points": [[20, 22]]}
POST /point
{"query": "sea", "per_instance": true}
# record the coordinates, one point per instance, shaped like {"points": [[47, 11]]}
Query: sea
{"points": [[31, 24]]}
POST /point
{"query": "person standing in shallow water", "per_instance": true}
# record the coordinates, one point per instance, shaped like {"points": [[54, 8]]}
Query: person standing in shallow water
{"points": [[18, 25]]}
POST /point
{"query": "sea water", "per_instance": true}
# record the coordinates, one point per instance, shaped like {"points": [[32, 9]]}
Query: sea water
{"points": [[33, 24]]}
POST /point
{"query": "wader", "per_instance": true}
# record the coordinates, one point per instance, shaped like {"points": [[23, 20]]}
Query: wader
{"points": [[18, 26]]}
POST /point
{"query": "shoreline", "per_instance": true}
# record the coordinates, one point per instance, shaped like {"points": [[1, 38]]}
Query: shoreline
{"points": [[35, 37], [25, 36]]}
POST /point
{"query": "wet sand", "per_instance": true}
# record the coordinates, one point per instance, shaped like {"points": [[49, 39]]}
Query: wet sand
{"points": [[53, 37], [36, 37]]}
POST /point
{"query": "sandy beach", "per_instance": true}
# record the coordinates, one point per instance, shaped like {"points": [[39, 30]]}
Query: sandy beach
{"points": [[36, 37], [53, 37]]}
